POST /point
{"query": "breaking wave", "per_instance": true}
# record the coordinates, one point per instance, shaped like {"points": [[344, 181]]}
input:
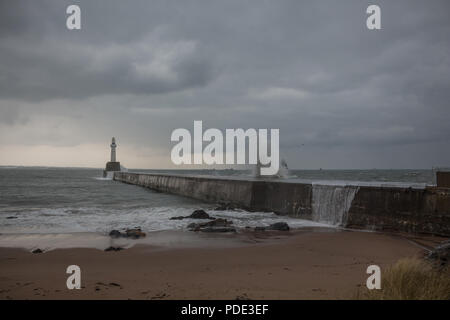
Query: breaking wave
{"points": [[330, 204]]}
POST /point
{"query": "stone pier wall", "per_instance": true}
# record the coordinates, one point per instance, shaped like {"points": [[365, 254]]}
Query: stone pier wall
{"points": [[425, 210]]}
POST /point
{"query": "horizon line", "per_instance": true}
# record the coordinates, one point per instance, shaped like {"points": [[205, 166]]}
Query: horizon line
{"points": [[197, 169]]}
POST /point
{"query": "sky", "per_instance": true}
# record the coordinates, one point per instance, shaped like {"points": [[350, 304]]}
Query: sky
{"points": [[343, 96]]}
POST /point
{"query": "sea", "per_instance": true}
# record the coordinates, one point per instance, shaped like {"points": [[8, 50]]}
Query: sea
{"points": [[50, 201]]}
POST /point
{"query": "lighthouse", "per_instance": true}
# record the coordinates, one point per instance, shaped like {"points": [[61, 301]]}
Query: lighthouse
{"points": [[113, 150], [112, 165]]}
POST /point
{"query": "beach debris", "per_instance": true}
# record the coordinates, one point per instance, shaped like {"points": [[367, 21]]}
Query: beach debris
{"points": [[278, 226], [160, 295], [441, 253], [111, 284], [134, 233], [113, 249], [217, 225], [243, 296], [114, 284], [37, 251], [197, 214]]}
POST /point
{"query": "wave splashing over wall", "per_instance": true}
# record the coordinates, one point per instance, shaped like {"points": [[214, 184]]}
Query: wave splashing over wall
{"points": [[330, 204]]}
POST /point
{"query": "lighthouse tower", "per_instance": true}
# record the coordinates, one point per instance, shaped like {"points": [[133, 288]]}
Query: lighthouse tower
{"points": [[112, 165], [113, 150]]}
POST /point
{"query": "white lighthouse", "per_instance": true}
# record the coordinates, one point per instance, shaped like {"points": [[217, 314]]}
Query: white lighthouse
{"points": [[113, 165], [113, 150]]}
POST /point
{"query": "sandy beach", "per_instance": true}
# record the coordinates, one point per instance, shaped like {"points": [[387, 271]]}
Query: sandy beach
{"points": [[319, 264]]}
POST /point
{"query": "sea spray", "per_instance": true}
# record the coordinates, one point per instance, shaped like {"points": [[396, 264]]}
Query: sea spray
{"points": [[283, 172], [109, 176], [330, 204]]}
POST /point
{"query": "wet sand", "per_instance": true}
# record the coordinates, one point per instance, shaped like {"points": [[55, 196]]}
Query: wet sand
{"points": [[326, 264]]}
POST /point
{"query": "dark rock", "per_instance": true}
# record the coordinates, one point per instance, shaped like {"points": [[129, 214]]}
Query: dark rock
{"points": [[217, 225], [441, 254], [217, 229], [279, 226], [135, 233], [200, 214], [115, 234], [113, 249], [37, 251], [178, 218], [197, 214], [193, 226], [11, 217], [260, 228], [114, 284]]}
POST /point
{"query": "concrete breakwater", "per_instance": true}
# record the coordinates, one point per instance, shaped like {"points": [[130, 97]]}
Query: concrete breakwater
{"points": [[392, 208]]}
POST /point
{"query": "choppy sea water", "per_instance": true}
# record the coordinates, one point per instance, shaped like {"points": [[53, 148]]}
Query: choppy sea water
{"points": [[69, 200]]}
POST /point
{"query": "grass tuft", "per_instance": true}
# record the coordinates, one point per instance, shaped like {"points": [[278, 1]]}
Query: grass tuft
{"points": [[411, 279]]}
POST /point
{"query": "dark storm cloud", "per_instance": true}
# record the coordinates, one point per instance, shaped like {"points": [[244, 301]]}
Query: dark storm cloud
{"points": [[310, 68], [76, 71], [42, 60]]}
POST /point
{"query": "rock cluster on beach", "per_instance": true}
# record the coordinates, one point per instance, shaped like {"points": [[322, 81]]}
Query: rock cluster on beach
{"points": [[113, 249], [134, 233], [220, 224], [216, 225]]}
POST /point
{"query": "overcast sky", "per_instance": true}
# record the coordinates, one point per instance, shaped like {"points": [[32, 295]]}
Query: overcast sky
{"points": [[342, 96]]}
